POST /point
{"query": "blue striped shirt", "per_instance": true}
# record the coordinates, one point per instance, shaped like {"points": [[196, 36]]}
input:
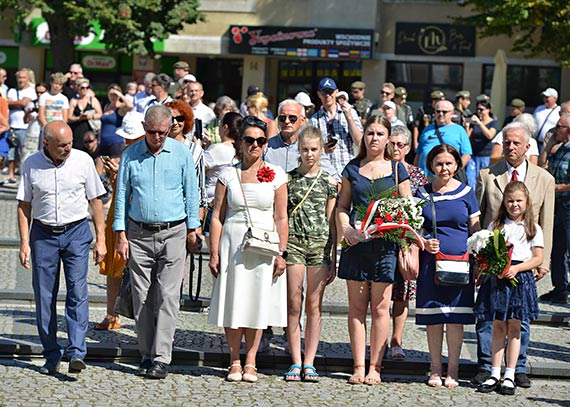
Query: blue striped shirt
{"points": [[154, 189]]}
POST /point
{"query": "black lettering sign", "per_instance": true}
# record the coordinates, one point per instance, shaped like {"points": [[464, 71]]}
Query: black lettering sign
{"points": [[435, 39]]}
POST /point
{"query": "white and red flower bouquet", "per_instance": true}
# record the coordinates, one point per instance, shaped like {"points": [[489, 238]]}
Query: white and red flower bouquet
{"points": [[392, 217], [492, 252]]}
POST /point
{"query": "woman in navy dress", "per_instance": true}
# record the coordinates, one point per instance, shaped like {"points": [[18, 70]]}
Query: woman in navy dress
{"points": [[457, 216], [368, 266]]}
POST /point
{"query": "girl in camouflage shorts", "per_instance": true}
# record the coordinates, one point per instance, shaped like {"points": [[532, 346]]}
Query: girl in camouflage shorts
{"points": [[312, 245]]}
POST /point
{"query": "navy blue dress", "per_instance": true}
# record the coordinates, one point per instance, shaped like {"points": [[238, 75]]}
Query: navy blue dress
{"points": [[438, 304], [374, 260]]}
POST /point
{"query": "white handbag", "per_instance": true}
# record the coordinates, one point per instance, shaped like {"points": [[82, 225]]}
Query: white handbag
{"points": [[258, 240]]}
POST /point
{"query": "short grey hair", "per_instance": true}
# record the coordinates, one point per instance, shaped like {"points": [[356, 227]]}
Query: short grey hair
{"points": [[148, 78], [291, 102], [163, 80], [157, 114], [403, 132], [224, 101], [565, 107], [528, 120], [517, 126]]}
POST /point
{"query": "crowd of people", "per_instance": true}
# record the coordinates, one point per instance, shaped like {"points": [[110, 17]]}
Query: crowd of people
{"points": [[181, 172]]}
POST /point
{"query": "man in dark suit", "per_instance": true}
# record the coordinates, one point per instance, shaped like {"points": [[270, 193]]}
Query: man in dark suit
{"points": [[490, 186]]}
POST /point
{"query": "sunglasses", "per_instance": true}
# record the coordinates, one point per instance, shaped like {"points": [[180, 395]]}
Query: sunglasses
{"points": [[327, 91], [443, 111], [398, 144], [252, 121], [179, 118], [385, 93], [250, 140], [84, 87], [283, 118], [159, 132]]}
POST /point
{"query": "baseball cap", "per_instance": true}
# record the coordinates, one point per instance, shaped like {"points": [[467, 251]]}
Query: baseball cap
{"points": [[181, 65], [389, 104], [550, 92], [252, 90], [401, 91], [187, 78], [358, 85], [304, 99], [483, 98], [327, 83], [516, 102], [132, 127], [437, 94], [464, 94], [341, 94]]}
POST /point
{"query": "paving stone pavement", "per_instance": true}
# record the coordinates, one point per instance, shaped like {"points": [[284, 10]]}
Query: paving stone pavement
{"points": [[109, 385]]}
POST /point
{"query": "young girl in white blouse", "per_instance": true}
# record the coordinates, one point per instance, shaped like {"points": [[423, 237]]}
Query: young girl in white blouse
{"points": [[508, 304]]}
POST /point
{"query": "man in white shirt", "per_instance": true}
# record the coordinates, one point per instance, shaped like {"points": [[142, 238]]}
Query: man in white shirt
{"points": [[195, 91], [546, 115], [3, 86], [58, 185], [18, 98]]}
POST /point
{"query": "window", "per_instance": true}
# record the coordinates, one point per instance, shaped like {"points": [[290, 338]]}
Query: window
{"points": [[421, 78], [524, 82]]}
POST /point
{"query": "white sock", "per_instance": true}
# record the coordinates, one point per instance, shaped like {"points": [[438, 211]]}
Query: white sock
{"points": [[509, 374], [495, 373]]}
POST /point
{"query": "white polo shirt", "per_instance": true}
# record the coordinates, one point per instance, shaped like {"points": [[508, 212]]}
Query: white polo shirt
{"points": [[59, 194]]}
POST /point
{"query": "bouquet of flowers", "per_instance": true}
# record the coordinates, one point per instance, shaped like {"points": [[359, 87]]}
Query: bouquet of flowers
{"points": [[392, 217], [492, 252]]}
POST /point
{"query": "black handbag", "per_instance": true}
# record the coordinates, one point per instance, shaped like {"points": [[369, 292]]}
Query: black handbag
{"points": [[124, 304], [450, 270], [13, 140]]}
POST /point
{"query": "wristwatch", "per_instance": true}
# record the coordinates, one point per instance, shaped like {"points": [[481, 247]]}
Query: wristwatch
{"points": [[284, 254]]}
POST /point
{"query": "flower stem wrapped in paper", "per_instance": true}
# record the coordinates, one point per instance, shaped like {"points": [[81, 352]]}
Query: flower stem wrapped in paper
{"points": [[492, 253], [391, 217]]}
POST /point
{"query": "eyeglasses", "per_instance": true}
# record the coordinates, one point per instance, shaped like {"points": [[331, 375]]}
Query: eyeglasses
{"points": [[398, 144], [385, 93], [250, 140], [443, 111], [84, 87], [252, 121], [179, 118], [558, 126], [327, 92], [283, 118], [74, 73]]}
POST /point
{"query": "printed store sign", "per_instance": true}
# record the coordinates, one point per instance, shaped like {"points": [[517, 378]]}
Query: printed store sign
{"points": [[312, 42], [435, 39]]}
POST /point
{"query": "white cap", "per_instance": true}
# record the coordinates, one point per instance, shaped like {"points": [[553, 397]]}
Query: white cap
{"points": [[342, 94], [187, 78], [132, 127], [304, 99], [550, 92], [389, 104]]}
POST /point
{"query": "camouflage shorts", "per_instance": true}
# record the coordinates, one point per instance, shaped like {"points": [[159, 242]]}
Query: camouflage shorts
{"points": [[308, 251]]}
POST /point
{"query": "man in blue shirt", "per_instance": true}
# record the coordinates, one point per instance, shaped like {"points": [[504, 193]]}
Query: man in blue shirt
{"points": [[156, 215], [443, 131]]}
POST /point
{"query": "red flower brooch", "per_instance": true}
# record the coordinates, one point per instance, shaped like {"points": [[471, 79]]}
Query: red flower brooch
{"points": [[265, 174]]}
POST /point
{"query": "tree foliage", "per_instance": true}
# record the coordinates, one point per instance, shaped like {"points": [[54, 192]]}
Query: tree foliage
{"points": [[536, 26], [130, 25]]}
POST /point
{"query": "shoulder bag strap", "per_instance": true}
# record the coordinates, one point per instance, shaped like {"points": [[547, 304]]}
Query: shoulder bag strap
{"points": [[244, 198], [433, 217], [396, 181], [438, 134], [306, 194], [249, 218], [545, 120]]}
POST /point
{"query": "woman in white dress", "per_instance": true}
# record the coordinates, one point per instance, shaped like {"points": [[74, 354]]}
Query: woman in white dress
{"points": [[249, 292]]}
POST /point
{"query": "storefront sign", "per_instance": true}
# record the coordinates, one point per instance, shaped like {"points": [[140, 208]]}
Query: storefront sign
{"points": [[435, 39], [301, 42], [92, 41], [99, 62]]}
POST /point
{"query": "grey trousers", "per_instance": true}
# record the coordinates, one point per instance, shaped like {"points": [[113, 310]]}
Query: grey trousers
{"points": [[156, 263]]}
